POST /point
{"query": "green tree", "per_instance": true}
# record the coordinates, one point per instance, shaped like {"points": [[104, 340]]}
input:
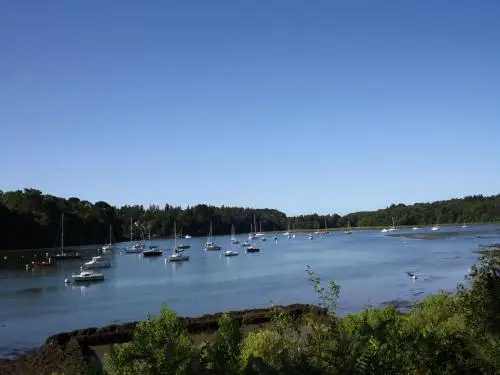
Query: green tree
{"points": [[160, 345]]}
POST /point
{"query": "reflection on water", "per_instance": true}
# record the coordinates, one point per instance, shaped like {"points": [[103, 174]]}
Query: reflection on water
{"points": [[367, 264]]}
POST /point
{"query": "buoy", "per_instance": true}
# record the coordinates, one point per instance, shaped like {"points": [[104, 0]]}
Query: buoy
{"points": [[5, 257], [66, 281], [27, 267]]}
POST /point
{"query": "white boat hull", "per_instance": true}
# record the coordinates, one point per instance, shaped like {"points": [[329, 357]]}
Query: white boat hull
{"points": [[174, 258], [133, 251], [212, 248], [96, 265], [87, 276]]}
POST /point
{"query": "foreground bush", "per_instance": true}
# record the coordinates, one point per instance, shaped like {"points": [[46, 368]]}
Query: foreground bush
{"points": [[444, 334]]}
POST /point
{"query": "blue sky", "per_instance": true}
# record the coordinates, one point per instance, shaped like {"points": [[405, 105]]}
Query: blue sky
{"points": [[305, 106]]}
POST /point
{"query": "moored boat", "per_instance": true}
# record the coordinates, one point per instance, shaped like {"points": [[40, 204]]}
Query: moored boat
{"points": [[252, 249], [97, 262], [153, 251], [230, 253], [178, 257], [42, 263], [210, 245], [64, 255], [87, 276]]}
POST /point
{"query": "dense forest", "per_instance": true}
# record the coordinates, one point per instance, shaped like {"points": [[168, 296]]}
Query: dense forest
{"points": [[30, 219]]}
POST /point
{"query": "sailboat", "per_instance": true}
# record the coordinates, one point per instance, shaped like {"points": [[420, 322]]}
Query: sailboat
{"points": [[234, 241], [181, 246], [326, 229], [393, 226], [436, 227], [465, 225], [260, 233], [152, 251], [348, 230], [317, 230], [210, 245], [252, 248], [136, 248], [231, 253], [252, 235], [176, 255], [109, 246], [65, 254], [287, 233]]}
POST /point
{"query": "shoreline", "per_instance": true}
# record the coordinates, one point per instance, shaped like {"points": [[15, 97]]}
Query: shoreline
{"points": [[73, 351], [92, 247]]}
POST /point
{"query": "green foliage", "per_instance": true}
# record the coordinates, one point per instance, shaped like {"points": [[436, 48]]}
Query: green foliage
{"points": [[31, 219], [160, 345], [328, 297], [222, 357]]}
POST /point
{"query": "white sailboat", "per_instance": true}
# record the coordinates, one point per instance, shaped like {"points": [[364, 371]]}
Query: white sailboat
{"points": [[231, 253], [465, 225], [393, 228], [234, 241], [181, 246], [317, 230], [348, 230], [252, 235], [287, 233], [260, 233], [436, 227], [109, 246], [177, 255], [65, 254], [135, 248], [210, 245]]}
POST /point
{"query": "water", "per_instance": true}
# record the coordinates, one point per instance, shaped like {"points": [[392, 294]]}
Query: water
{"points": [[370, 267]]}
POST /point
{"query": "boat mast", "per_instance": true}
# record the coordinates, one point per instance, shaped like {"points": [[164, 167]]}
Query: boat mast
{"points": [[175, 236], [62, 232], [131, 237]]}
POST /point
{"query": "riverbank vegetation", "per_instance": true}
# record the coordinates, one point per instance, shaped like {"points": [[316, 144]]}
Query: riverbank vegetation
{"points": [[447, 333], [30, 219]]}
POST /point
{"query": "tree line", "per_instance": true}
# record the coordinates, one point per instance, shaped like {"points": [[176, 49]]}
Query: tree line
{"points": [[31, 219]]}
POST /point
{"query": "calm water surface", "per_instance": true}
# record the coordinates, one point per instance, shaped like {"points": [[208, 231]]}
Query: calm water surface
{"points": [[369, 266]]}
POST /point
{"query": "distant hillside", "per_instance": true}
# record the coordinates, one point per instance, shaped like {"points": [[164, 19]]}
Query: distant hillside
{"points": [[30, 219]]}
